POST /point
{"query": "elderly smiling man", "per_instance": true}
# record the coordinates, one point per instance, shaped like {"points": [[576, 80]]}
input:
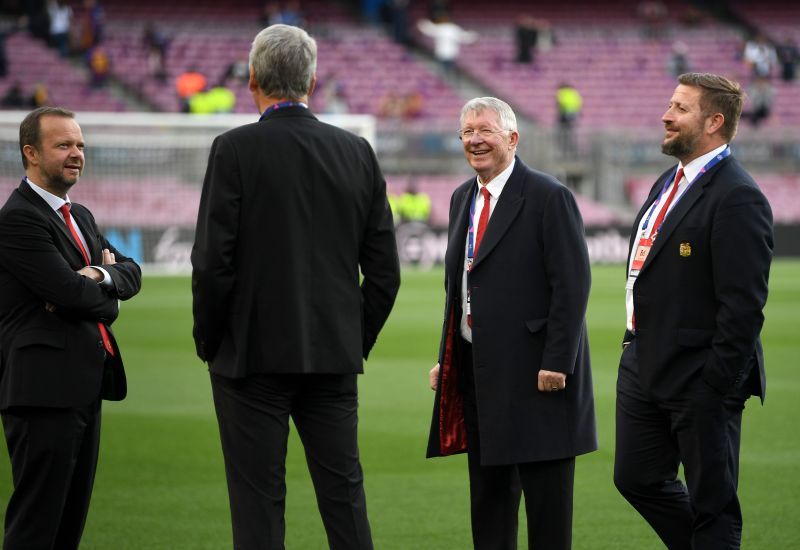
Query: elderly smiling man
{"points": [[513, 382]]}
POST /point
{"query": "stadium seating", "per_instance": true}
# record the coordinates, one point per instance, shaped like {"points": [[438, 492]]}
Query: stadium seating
{"points": [[781, 191], [31, 62], [622, 75], [365, 63]]}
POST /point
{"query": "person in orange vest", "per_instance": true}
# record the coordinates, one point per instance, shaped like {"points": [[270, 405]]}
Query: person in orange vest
{"points": [[187, 84]]}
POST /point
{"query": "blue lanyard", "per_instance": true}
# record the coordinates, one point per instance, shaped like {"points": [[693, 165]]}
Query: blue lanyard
{"points": [[281, 105], [711, 163], [471, 231]]}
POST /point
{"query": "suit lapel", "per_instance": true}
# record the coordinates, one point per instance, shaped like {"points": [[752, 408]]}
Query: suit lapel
{"points": [[40, 204], [456, 240], [507, 208]]}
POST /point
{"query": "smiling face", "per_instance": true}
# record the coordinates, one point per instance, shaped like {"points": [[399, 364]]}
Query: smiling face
{"points": [[690, 132], [56, 162], [490, 155]]}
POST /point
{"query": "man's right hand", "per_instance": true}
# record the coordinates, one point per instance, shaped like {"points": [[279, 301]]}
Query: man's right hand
{"points": [[433, 377]]}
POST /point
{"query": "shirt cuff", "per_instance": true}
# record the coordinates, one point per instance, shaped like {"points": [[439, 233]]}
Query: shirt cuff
{"points": [[106, 282]]}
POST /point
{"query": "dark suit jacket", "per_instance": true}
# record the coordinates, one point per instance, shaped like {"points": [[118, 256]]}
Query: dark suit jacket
{"points": [[291, 208], [56, 359], [700, 293], [529, 289]]}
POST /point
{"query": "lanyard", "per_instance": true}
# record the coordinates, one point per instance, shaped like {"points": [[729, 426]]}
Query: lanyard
{"points": [[281, 105], [711, 163], [471, 231]]}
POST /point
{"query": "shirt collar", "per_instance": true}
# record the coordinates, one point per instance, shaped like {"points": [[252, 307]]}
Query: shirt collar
{"points": [[54, 201], [692, 170], [495, 186]]}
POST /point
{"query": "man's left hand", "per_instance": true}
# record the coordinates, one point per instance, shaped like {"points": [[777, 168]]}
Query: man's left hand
{"points": [[552, 381]]}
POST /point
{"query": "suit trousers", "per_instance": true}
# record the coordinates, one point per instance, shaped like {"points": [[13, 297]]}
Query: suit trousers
{"points": [[53, 461], [699, 429], [253, 415], [495, 490]]}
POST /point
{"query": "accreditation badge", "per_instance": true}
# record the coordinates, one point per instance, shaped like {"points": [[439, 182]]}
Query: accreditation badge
{"points": [[645, 244]]}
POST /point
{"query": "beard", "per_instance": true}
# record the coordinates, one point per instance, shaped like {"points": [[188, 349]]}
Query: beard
{"points": [[57, 180], [682, 145]]}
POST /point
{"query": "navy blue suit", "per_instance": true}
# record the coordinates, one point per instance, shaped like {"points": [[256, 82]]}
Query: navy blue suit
{"points": [[695, 358]]}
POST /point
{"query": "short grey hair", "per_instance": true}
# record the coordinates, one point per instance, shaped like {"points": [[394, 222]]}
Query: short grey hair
{"points": [[284, 59], [504, 111]]}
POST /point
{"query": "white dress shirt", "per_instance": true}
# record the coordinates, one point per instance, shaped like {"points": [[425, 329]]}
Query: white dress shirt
{"points": [[495, 187]]}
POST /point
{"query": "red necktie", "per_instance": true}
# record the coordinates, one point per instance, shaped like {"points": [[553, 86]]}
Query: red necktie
{"points": [[68, 219], [660, 218], [483, 221], [663, 212]]}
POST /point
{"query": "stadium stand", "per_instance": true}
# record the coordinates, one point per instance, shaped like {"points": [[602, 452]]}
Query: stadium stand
{"points": [[781, 191], [622, 75], [31, 62]]}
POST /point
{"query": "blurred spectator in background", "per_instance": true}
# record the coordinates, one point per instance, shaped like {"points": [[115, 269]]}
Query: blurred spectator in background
{"points": [[270, 14], [391, 106], [653, 15], [290, 14], [678, 62], [40, 96], [759, 56], [60, 20], [413, 206], [438, 9], [156, 43], [398, 20], [99, 66], [238, 70], [413, 104], [761, 95], [92, 19], [527, 35], [218, 99], [8, 26], [569, 103], [38, 19], [396, 106], [15, 99], [333, 98], [789, 57], [187, 84], [690, 16], [447, 39]]}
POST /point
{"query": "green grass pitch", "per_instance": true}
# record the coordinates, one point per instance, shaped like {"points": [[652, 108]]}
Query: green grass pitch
{"points": [[161, 482]]}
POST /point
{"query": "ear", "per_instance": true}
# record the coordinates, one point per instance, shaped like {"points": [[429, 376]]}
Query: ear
{"points": [[714, 123], [514, 140], [252, 85], [31, 154], [312, 86]]}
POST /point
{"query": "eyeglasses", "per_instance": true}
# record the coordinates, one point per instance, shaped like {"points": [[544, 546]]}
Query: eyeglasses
{"points": [[485, 133]]}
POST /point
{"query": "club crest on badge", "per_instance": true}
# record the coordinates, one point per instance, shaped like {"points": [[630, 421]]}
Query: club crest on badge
{"points": [[685, 250]]}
